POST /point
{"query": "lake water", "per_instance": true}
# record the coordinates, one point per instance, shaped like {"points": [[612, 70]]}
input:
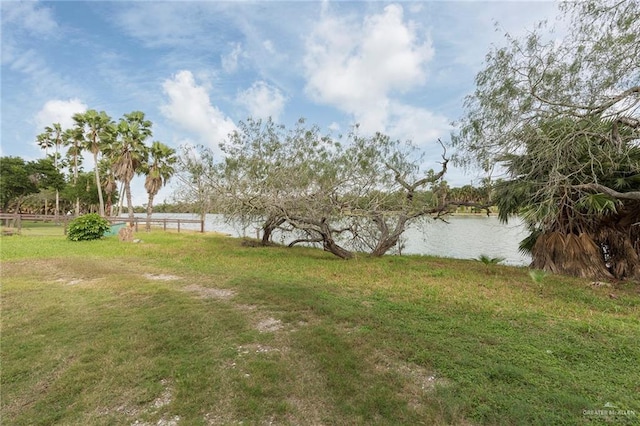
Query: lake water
{"points": [[463, 237]]}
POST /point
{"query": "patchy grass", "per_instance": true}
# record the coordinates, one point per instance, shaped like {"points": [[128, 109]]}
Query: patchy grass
{"points": [[200, 329]]}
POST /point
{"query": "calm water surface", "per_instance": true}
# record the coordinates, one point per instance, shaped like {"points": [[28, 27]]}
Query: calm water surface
{"points": [[464, 237]]}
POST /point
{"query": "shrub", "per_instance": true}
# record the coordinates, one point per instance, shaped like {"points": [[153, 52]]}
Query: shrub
{"points": [[88, 227]]}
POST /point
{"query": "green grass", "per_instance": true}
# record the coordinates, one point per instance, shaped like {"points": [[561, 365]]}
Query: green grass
{"points": [[199, 329]]}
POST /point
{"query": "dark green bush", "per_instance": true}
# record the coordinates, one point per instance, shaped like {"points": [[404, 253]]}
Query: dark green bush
{"points": [[88, 227]]}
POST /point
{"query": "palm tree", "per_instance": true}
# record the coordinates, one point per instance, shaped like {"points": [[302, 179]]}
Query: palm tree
{"points": [[97, 128], [44, 142], [73, 138], [129, 151], [109, 183], [158, 170]]}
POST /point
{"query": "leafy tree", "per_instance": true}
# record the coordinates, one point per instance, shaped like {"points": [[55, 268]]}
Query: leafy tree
{"points": [[129, 151], [158, 170], [15, 182], [18, 179], [97, 130], [563, 119], [195, 172], [84, 193], [344, 196]]}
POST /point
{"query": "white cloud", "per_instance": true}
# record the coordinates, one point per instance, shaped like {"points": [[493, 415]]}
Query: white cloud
{"points": [[420, 125], [358, 67], [262, 100], [230, 60], [58, 111], [190, 107], [30, 16], [269, 47], [334, 127]]}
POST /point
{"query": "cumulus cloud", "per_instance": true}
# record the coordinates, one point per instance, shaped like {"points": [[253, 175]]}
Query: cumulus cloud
{"points": [[190, 107], [420, 125], [58, 111], [359, 66], [262, 100]]}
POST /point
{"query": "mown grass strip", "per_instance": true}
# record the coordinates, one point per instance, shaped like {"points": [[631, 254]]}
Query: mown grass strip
{"points": [[199, 329]]}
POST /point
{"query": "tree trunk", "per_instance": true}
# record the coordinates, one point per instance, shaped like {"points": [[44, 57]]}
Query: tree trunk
{"points": [[57, 205], [149, 210], [127, 190], [570, 254], [329, 244], [388, 240], [269, 226], [121, 198], [620, 237], [97, 174], [75, 182]]}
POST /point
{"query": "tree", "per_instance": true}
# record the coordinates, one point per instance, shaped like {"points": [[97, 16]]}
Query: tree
{"points": [[129, 151], [53, 136], [18, 179], [563, 119], [73, 138], [109, 184], [353, 196], [97, 130], [84, 193], [15, 182], [196, 175], [158, 170]]}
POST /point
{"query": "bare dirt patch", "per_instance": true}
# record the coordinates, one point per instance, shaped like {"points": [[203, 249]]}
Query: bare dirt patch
{"points": [[210, 292], [165, 398], [256, 348], [419, 380], [269, 325], [161, 277]]}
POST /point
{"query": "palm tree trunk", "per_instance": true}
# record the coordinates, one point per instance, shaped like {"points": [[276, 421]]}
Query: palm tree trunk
{"points": [[121, 199], [57, 205], [57, 191], [149, 211], [97, 173], [75, 181], [127, 190]]}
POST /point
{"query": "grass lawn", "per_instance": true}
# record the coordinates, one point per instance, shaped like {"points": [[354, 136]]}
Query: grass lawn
{"points": [[199, 329]]}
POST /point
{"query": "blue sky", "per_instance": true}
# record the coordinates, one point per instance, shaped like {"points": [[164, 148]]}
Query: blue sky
{"points": [[197, 68]]}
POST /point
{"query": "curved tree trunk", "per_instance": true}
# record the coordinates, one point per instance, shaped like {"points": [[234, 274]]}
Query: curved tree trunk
{"points": [[388, 239], [269, 226], [325, 235], [330, 245]]}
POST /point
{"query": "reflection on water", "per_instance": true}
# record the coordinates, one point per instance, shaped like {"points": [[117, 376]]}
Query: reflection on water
{"points": [[467, 237], [464, 237]]}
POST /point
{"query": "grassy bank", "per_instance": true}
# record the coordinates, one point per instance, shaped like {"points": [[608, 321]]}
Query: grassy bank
{"points": [[200, 329]]}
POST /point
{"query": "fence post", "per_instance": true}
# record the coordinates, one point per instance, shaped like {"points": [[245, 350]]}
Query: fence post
{"points": [[178, 226]]}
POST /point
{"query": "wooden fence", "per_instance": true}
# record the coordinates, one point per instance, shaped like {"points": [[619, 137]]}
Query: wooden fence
{"points": [[15, 221]]}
